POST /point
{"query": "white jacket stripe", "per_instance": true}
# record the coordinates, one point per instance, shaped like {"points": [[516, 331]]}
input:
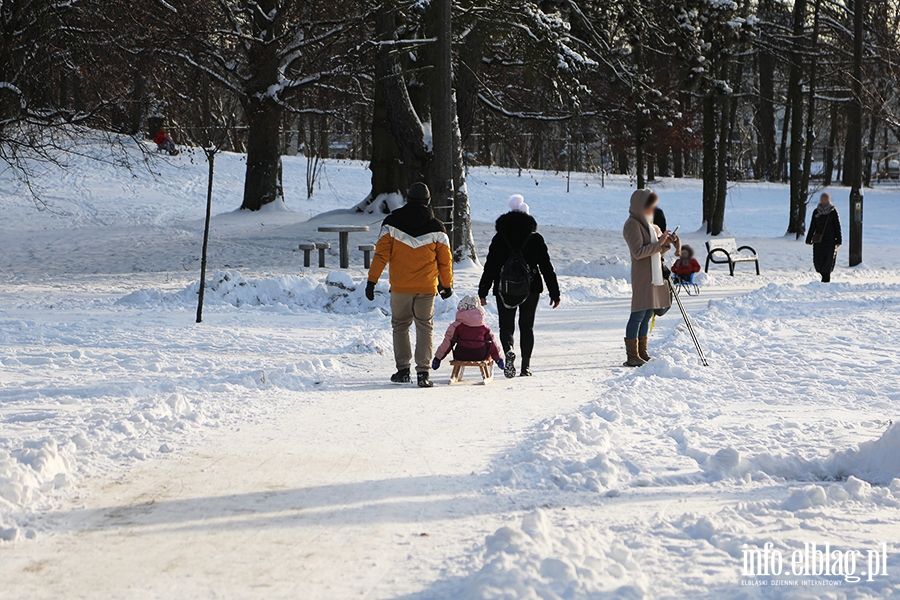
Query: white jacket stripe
{"points": [[438, 237]]}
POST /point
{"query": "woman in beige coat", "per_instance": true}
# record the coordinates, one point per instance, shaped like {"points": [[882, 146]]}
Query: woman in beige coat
{"points": [[649, 289]]}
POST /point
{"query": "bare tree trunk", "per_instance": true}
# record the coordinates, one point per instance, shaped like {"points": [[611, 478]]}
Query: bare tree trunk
{"points": [[810, 128], [663, 162], [678, 162], [766, 157], [870, 149], [709, 159], [795, 99], [717, 225], [262, 184], [828, 158], [443, 119], [782, 152], [462, 241]]}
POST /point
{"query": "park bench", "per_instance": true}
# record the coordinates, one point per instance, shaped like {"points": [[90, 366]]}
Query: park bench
{"points": [[726, 252]]}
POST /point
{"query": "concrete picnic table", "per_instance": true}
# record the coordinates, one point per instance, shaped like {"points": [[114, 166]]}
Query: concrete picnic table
{"points": [[344, 232]]}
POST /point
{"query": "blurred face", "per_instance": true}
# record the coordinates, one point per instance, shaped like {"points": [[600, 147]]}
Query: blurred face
{"points": [[685, 254], [825, 199]]}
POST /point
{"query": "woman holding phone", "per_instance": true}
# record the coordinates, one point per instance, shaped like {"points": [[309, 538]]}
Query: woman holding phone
{"points": [[649, 289]]}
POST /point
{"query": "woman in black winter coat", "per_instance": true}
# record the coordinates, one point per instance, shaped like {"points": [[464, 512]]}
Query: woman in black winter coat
{"points": [[516, 230], [825, 237]]}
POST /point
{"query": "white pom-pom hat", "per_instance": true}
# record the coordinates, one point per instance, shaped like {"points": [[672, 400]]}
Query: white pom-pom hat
{"points": [[517, 204]]}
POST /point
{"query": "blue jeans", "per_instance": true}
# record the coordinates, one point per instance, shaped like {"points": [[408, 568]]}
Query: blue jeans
{"points": [[638, 324]]}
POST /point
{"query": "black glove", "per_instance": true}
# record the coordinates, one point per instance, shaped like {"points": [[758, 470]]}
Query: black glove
{"points": [[370, 290], [446, 293]]}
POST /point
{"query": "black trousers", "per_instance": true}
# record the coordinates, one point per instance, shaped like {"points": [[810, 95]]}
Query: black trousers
{"points": [[824, 258], [526, 311]]}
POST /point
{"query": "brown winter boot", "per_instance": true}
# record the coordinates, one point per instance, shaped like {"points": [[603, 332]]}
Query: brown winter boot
{"points": [[631, 349], [642, 349]]}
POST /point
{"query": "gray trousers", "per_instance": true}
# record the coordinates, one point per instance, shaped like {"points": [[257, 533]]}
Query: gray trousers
{"points": [[405, 309]]}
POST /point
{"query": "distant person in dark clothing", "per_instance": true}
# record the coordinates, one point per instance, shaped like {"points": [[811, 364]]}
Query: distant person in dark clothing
{"points": [[659, 218], [516, 230], [825, 237]]}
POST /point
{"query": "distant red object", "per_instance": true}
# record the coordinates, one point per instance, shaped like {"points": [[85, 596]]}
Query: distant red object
{"points": [[160, 138], [686, 268]]}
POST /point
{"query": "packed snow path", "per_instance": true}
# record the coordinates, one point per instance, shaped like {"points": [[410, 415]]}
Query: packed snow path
{"points": [[358, 488]]}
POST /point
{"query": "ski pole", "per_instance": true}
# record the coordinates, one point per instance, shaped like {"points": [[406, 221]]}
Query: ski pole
{"points": [[687, 322]]}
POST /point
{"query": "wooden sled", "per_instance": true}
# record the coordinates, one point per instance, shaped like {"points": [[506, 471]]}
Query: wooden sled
{"points": [[486, 367]]}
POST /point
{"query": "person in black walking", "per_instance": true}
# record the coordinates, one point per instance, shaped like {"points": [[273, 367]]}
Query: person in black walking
{"points": [[825, 237], [517, 232]]}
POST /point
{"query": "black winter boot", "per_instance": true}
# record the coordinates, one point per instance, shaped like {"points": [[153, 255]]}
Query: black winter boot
{"points": [[401, 376], [424, 380], [510, 365]]}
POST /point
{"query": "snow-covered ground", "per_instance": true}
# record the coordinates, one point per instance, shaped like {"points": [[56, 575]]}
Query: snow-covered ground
{"points": [[261, 454]]}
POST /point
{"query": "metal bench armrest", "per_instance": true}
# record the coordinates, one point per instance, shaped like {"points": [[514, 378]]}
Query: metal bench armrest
{"points": [[750, 248], [723, 251]]}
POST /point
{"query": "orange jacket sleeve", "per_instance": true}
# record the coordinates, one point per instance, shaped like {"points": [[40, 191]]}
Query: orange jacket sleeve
{"points": [[445, 265], [383, 249]]}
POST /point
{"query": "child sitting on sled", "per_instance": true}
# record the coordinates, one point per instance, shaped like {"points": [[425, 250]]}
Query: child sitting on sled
{"points": [[686, 265], [469, 337]]}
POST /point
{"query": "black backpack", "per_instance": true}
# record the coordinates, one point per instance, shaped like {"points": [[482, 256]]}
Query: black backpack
{"points": [[514, 285]]}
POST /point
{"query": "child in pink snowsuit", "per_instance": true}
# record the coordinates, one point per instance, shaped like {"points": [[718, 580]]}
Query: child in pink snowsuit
{"points": [[468, 336]]}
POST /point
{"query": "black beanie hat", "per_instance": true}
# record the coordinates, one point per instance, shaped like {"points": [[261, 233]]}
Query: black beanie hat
{"points": [[418, 192]]}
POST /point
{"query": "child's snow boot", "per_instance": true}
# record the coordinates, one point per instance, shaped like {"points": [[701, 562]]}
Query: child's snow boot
{"points": [[631, 349], [401, 376], [642, 349], [424, 380]]}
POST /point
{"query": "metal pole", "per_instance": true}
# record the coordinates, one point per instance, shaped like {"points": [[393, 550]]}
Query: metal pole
{"points": [[856, 119], [687, 322]]}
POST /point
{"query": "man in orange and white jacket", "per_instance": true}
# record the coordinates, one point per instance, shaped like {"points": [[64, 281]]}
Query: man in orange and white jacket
{"points": [[418, 250]]}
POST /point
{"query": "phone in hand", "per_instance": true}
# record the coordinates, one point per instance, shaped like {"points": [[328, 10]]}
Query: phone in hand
{"points": [[674, 231]]}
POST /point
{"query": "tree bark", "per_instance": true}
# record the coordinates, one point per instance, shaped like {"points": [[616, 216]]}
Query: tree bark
{"points": [[795, 99], [828, 158], [782, 152], [709, 158], [443, 119], [810, 128], [462, 240], [678, 162], [388, 172], [766, 157], [663, 164], [717, 224], [262, 184], [870, 150]]}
